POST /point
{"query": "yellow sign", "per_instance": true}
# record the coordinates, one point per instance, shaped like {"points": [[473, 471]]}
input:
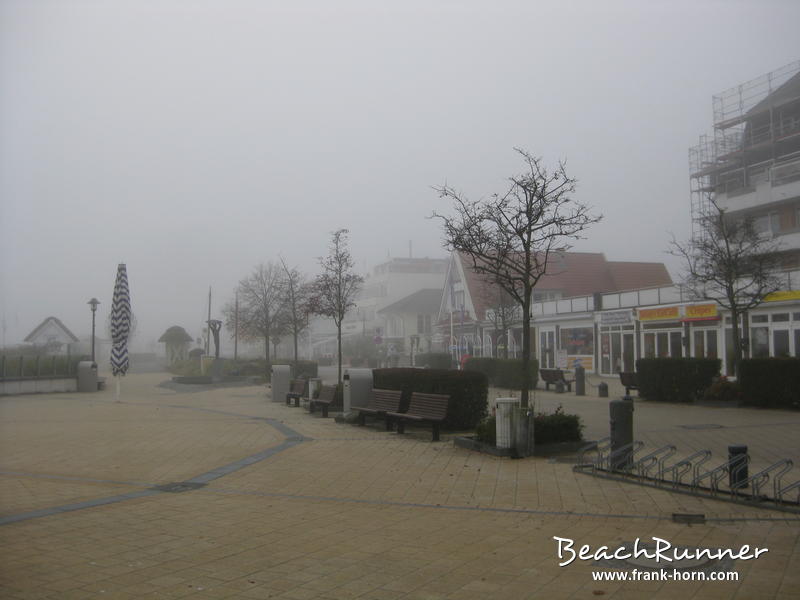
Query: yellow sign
{"points": [[701, 312], [659, 314], [783, 295]]}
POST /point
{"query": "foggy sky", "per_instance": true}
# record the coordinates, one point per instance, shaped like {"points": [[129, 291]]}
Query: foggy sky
{"points": [[194, 139]]}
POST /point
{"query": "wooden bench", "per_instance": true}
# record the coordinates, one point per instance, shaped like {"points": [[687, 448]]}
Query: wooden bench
{"points": [[383, 402], [555, 377], [326, 399], [296, 392], [423, 408], [630, 380]]}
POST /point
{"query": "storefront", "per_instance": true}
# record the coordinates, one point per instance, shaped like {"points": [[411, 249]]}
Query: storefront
{"points": [[617, 342]]}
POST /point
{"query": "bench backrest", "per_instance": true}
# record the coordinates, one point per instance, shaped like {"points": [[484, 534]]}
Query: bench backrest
{"points": [[628, 378], [386, 400], [298, 386], [551, 375], [327, 393], [430, 406]]}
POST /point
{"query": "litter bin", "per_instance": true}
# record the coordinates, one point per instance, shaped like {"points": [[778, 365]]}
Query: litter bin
{"points": [[580, 380], [281, 380], [87, 376], [357, 388], [621, 432], [602, 389], [314, 384], [503, 412], [738, 472]]}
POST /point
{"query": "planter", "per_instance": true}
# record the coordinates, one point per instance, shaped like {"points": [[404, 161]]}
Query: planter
{"points": [[470, 443]]}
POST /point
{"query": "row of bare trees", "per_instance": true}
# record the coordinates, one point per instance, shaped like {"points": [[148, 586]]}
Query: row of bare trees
{"points": [[276, 300]]}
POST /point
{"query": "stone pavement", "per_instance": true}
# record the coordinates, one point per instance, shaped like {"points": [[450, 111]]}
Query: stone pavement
{"points": [[278, 503]]}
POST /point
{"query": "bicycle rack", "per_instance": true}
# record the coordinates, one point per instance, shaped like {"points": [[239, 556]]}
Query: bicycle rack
{"points": [[633, 447], [646, 463], [680, 468], [652, 469]]}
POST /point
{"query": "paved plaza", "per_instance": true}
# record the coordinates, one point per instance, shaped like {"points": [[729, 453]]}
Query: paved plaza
{"points": [[277, 503]]}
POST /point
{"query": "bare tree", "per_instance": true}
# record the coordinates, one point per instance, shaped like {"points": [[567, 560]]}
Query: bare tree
{"points": [[335, 289], [261, 306], [298, 292], [730, 263], [503, 313], [511, 237]]}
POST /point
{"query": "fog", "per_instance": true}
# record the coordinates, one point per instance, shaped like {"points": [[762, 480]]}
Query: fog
{"points": [[193, 139]]}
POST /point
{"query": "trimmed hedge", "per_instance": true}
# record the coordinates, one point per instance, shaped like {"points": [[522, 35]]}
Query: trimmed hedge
{"points": [[434, 360], [557, 427], [504, 372], [676, 379], [467, 390], [770, 382]]}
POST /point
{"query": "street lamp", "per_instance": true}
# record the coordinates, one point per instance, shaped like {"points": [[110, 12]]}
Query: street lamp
{"points": [[93, 303]]}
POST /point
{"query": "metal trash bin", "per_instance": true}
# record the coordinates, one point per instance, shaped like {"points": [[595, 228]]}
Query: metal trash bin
{"points": [[580, 380], [314, 384], [281, 381], [621, 433], [87, 376], [357, 388], [504, 430]]}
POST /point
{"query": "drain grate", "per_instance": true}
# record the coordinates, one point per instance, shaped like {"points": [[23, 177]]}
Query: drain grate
{"points": [[178, 487], [703, 426]]}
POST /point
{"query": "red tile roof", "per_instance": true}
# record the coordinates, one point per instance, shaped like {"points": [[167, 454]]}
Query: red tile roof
{"points": [[574, 274]]}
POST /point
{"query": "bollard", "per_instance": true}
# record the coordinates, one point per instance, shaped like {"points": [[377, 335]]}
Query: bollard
{"points": [[580, 381], [621, 433], [602, 389], [738, 472]]}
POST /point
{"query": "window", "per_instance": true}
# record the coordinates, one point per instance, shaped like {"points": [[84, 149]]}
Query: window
{"points": [[578, 341]]}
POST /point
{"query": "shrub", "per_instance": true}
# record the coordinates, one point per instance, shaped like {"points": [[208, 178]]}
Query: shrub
{"points": [[770, 382], [486, 431], [467, 391], [503, 372], [675, 379], [301, 368], [434, 360], [723, 390], [557, 427]]}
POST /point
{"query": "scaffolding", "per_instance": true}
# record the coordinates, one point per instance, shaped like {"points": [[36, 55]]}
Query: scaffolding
{"points": [[734, 133]]}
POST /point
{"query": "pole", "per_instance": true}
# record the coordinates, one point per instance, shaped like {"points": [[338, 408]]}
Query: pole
{"points": [[236, 327], [208, 328], [93, 316]]}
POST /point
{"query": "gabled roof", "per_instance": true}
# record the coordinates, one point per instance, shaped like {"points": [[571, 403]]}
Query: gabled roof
{"points": [[51, 320], [573, 274], [421, 302]]}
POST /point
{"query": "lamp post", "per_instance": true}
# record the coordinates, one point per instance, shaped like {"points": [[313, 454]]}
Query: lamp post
{"points": [[93, 303]]}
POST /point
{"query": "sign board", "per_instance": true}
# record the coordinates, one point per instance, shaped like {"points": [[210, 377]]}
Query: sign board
{"points": [[617, 317], [669, 313], [701, 312], [561, 359], [782, 296]]}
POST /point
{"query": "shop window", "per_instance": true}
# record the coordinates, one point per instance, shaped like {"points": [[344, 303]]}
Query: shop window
{"points": [[711, 344], [797, 342], [780, 318], [759, 319], [780, 343], [578, 341], [676, 345], [662, 345], [759, 342], [699, 344], [649, 345]]}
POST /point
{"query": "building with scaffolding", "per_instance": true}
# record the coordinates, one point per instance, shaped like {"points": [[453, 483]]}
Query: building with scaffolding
{"points": [[750, 165]]}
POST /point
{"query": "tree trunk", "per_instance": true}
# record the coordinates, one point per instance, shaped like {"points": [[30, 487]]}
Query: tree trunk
{"points": [[526, 350], [737, 342], [339, 349], [266, 356], [294, 332]]}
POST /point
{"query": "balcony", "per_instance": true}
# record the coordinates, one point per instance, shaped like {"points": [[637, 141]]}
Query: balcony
{"points": [[780, 182]]}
